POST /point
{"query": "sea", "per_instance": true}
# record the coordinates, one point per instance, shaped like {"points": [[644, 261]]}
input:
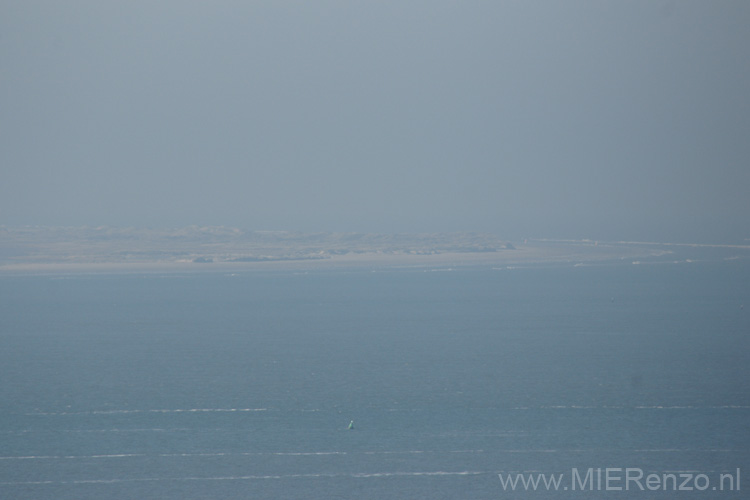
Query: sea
{"points": [[621, 380]]}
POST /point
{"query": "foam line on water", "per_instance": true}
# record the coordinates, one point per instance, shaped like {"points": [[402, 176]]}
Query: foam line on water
{"points": [[236, 454], [255, 477], [247, 410], [352, 453], [69, 457], [158, 410]]}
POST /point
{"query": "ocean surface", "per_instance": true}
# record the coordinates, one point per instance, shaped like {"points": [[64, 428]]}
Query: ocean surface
{"points": [[238, 386]]}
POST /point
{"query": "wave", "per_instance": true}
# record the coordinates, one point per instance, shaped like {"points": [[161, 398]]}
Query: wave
{"points": [[236, 454], [67, 457], [174, 410], [255, 477], [354, 453], [248, 410]]}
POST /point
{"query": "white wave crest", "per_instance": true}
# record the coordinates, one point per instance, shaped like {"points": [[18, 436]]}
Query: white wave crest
{"points": [[256, 477], [160, 410]]}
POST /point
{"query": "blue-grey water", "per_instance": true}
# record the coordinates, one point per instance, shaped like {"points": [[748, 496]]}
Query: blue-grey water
{"points": [[243, 385]]}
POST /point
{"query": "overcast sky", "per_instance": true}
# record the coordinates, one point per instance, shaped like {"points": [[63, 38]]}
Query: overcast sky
{"points": [[574, 119]]}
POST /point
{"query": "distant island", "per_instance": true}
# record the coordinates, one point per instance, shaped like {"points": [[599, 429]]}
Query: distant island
{"points": [[40, 248]]}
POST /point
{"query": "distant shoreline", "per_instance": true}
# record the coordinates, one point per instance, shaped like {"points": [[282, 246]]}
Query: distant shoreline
{"points": [[50, 250], [521, 256]]}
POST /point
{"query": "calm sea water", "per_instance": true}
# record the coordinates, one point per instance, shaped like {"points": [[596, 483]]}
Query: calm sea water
{"points": [[243, 385]]}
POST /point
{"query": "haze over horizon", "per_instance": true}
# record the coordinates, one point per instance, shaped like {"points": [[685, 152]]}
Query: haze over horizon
{"points": [[579, 119]]}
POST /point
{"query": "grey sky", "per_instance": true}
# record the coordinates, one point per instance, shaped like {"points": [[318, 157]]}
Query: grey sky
{"points": [[597, 119]]}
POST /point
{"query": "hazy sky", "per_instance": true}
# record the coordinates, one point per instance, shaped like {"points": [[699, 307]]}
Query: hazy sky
{"points": [[596, 119]]}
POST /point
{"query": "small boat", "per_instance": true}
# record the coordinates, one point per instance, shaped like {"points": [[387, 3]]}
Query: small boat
{"points": [[351, 425]]}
